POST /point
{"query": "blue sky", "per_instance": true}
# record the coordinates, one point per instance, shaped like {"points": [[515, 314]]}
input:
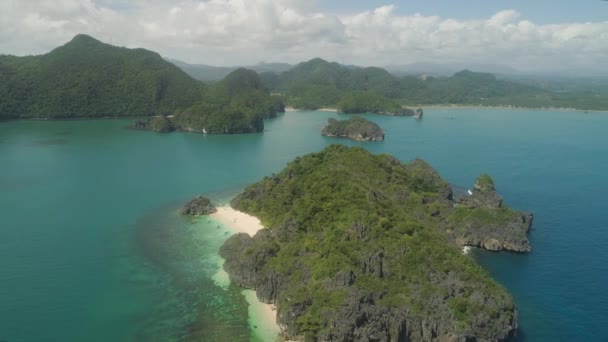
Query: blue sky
{"points": [[540, 11]]}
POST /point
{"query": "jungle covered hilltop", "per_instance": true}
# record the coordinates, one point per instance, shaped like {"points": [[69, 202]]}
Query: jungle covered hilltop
{"points": [[364, 247], [86, 78]]}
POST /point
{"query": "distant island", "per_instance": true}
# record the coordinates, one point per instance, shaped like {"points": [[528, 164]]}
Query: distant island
{"points": [[86, 78], [321, 84], [361, 246], [355, 128]]}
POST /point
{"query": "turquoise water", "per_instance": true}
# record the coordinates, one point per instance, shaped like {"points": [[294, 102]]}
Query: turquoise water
{"points": [[92, 248]]}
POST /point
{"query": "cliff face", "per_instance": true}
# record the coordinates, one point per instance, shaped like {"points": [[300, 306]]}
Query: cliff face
{"points": [[482, 220], [361, 248]]}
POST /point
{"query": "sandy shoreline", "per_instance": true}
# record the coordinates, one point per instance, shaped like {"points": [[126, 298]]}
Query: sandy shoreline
{"points": [[440, 106], [262, 316], [237, 221], [292, 109], [448, 106]]}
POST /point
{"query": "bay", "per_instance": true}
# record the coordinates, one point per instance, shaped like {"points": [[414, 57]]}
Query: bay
{"points": [[92, 247]]}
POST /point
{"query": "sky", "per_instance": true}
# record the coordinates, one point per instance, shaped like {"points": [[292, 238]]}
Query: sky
{"points": [[529, 36]]}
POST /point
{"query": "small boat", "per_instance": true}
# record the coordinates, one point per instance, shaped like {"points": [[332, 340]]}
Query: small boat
{"points": [[470, 192]]}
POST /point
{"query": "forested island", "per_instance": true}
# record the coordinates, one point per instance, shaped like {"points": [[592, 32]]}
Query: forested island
{"points": [[363, 247], [355, 128], [86, 78]]}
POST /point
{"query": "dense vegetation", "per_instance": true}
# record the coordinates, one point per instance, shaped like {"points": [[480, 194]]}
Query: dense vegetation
{"points": [[237, 104], [87, 78], [362, 102], [317, 83], [160, 124], [356, 128], [360, 247]]}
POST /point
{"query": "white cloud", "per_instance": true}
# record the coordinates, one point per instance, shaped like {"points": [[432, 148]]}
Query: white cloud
{"points": [[247, 31]]}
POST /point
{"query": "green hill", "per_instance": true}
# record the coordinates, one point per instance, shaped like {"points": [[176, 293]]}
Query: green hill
{"points": [[318, 83], [362, 247], [237, 104], [87, 78]]}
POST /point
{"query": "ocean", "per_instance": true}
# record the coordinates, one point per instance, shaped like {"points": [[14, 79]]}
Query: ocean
{"points": [[92, 247]]}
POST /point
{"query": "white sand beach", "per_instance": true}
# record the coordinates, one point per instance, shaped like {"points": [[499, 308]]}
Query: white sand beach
{"points": [[262, 316], [237, 221], [328, 110]]}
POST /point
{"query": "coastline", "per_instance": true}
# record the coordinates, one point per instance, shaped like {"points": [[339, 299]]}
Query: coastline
{"points": [[556, 109], [292, 109], [262, 317]]}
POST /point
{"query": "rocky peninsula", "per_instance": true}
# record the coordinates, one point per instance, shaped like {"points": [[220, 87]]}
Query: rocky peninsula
{"points": [[484, 221], [362, 247], [356, 128]]}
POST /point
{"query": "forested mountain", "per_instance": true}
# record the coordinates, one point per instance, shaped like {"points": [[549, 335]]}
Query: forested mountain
{"points": [[318, 83], [237, 104], [87, 78]]}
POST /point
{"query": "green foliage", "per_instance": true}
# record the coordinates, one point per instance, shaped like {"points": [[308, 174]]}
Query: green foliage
{"points": [[317, 83], [345, 211], [237, 104], [87, 78], [361, 102], [160, 124], [485, 181], [355, 128]]}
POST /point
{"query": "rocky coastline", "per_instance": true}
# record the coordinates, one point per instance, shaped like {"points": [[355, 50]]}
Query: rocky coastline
{"points": [[356, 128], [343, 276]]}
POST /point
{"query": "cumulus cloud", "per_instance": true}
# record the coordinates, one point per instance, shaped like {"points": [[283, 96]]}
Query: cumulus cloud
{"points": [[248, 31]]}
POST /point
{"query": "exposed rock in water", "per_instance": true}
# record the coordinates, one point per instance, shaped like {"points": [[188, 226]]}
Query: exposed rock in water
{"points": [[160, 124], [356, 128], [419, 113], [487, 223], [362, 248], [199, 205]]}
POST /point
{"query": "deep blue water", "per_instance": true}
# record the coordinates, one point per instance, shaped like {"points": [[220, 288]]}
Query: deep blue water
{"points": [[91, 247]]}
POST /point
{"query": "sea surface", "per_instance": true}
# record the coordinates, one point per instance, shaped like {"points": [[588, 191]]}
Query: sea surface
{"points": [[92, 247]]}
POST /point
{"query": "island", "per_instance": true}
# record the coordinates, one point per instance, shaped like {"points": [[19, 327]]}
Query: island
{"points": [[362, 247], [355, 128]]}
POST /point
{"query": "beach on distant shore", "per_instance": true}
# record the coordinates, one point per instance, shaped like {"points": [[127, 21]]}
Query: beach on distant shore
{"points": [[458, 106]]}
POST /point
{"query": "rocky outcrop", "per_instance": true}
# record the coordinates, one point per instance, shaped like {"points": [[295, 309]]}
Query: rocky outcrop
{"points": [[487, 223], [160, 124], [419, 113], [199, 205], [356, 128]]}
